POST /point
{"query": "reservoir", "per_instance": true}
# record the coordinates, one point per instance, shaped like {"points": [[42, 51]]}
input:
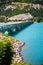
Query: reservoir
{"points": [[32, 35]]}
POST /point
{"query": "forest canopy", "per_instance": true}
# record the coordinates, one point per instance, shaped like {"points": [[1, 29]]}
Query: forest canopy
{"points": [[27, 1]]}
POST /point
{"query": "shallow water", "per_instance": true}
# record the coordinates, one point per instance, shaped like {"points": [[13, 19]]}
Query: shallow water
{"points": [[32, 52]]}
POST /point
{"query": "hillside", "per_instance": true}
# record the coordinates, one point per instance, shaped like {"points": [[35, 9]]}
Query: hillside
{"points": [[21, 9], [23, 1], [10, 8], [30, 1]]}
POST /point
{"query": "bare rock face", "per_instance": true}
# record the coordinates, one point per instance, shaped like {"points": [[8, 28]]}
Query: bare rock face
{"points": [[10, 7], [17, 57], [24, 16]]}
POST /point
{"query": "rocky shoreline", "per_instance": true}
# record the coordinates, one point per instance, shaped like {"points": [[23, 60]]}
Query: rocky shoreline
{"points": [[16, 47]]}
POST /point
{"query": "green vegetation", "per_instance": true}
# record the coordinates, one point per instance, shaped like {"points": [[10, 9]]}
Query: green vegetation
{"points": [[34, 12], [3, 19], [37, 19], [6, 44], [6, 1], [10, 13], [5, 52], [22, 63], [27, 1]]}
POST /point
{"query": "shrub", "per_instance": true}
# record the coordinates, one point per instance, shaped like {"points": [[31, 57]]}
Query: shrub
{"points": [[3, 19], [22, 63], [5, 52], [37, 19]]}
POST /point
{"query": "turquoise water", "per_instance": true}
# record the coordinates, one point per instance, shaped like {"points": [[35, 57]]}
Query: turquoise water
{"points": [[32, 52], [32, 35]]}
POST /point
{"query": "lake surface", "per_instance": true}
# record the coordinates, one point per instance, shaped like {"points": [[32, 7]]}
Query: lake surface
{"points": [[32, 35]]}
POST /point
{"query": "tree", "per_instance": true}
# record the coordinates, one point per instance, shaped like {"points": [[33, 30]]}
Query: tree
{"points": [[6, 1], [5, 52]]}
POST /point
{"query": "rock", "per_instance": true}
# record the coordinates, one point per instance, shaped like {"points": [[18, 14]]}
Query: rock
{"points": [[17, 50], [24, 16]]}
